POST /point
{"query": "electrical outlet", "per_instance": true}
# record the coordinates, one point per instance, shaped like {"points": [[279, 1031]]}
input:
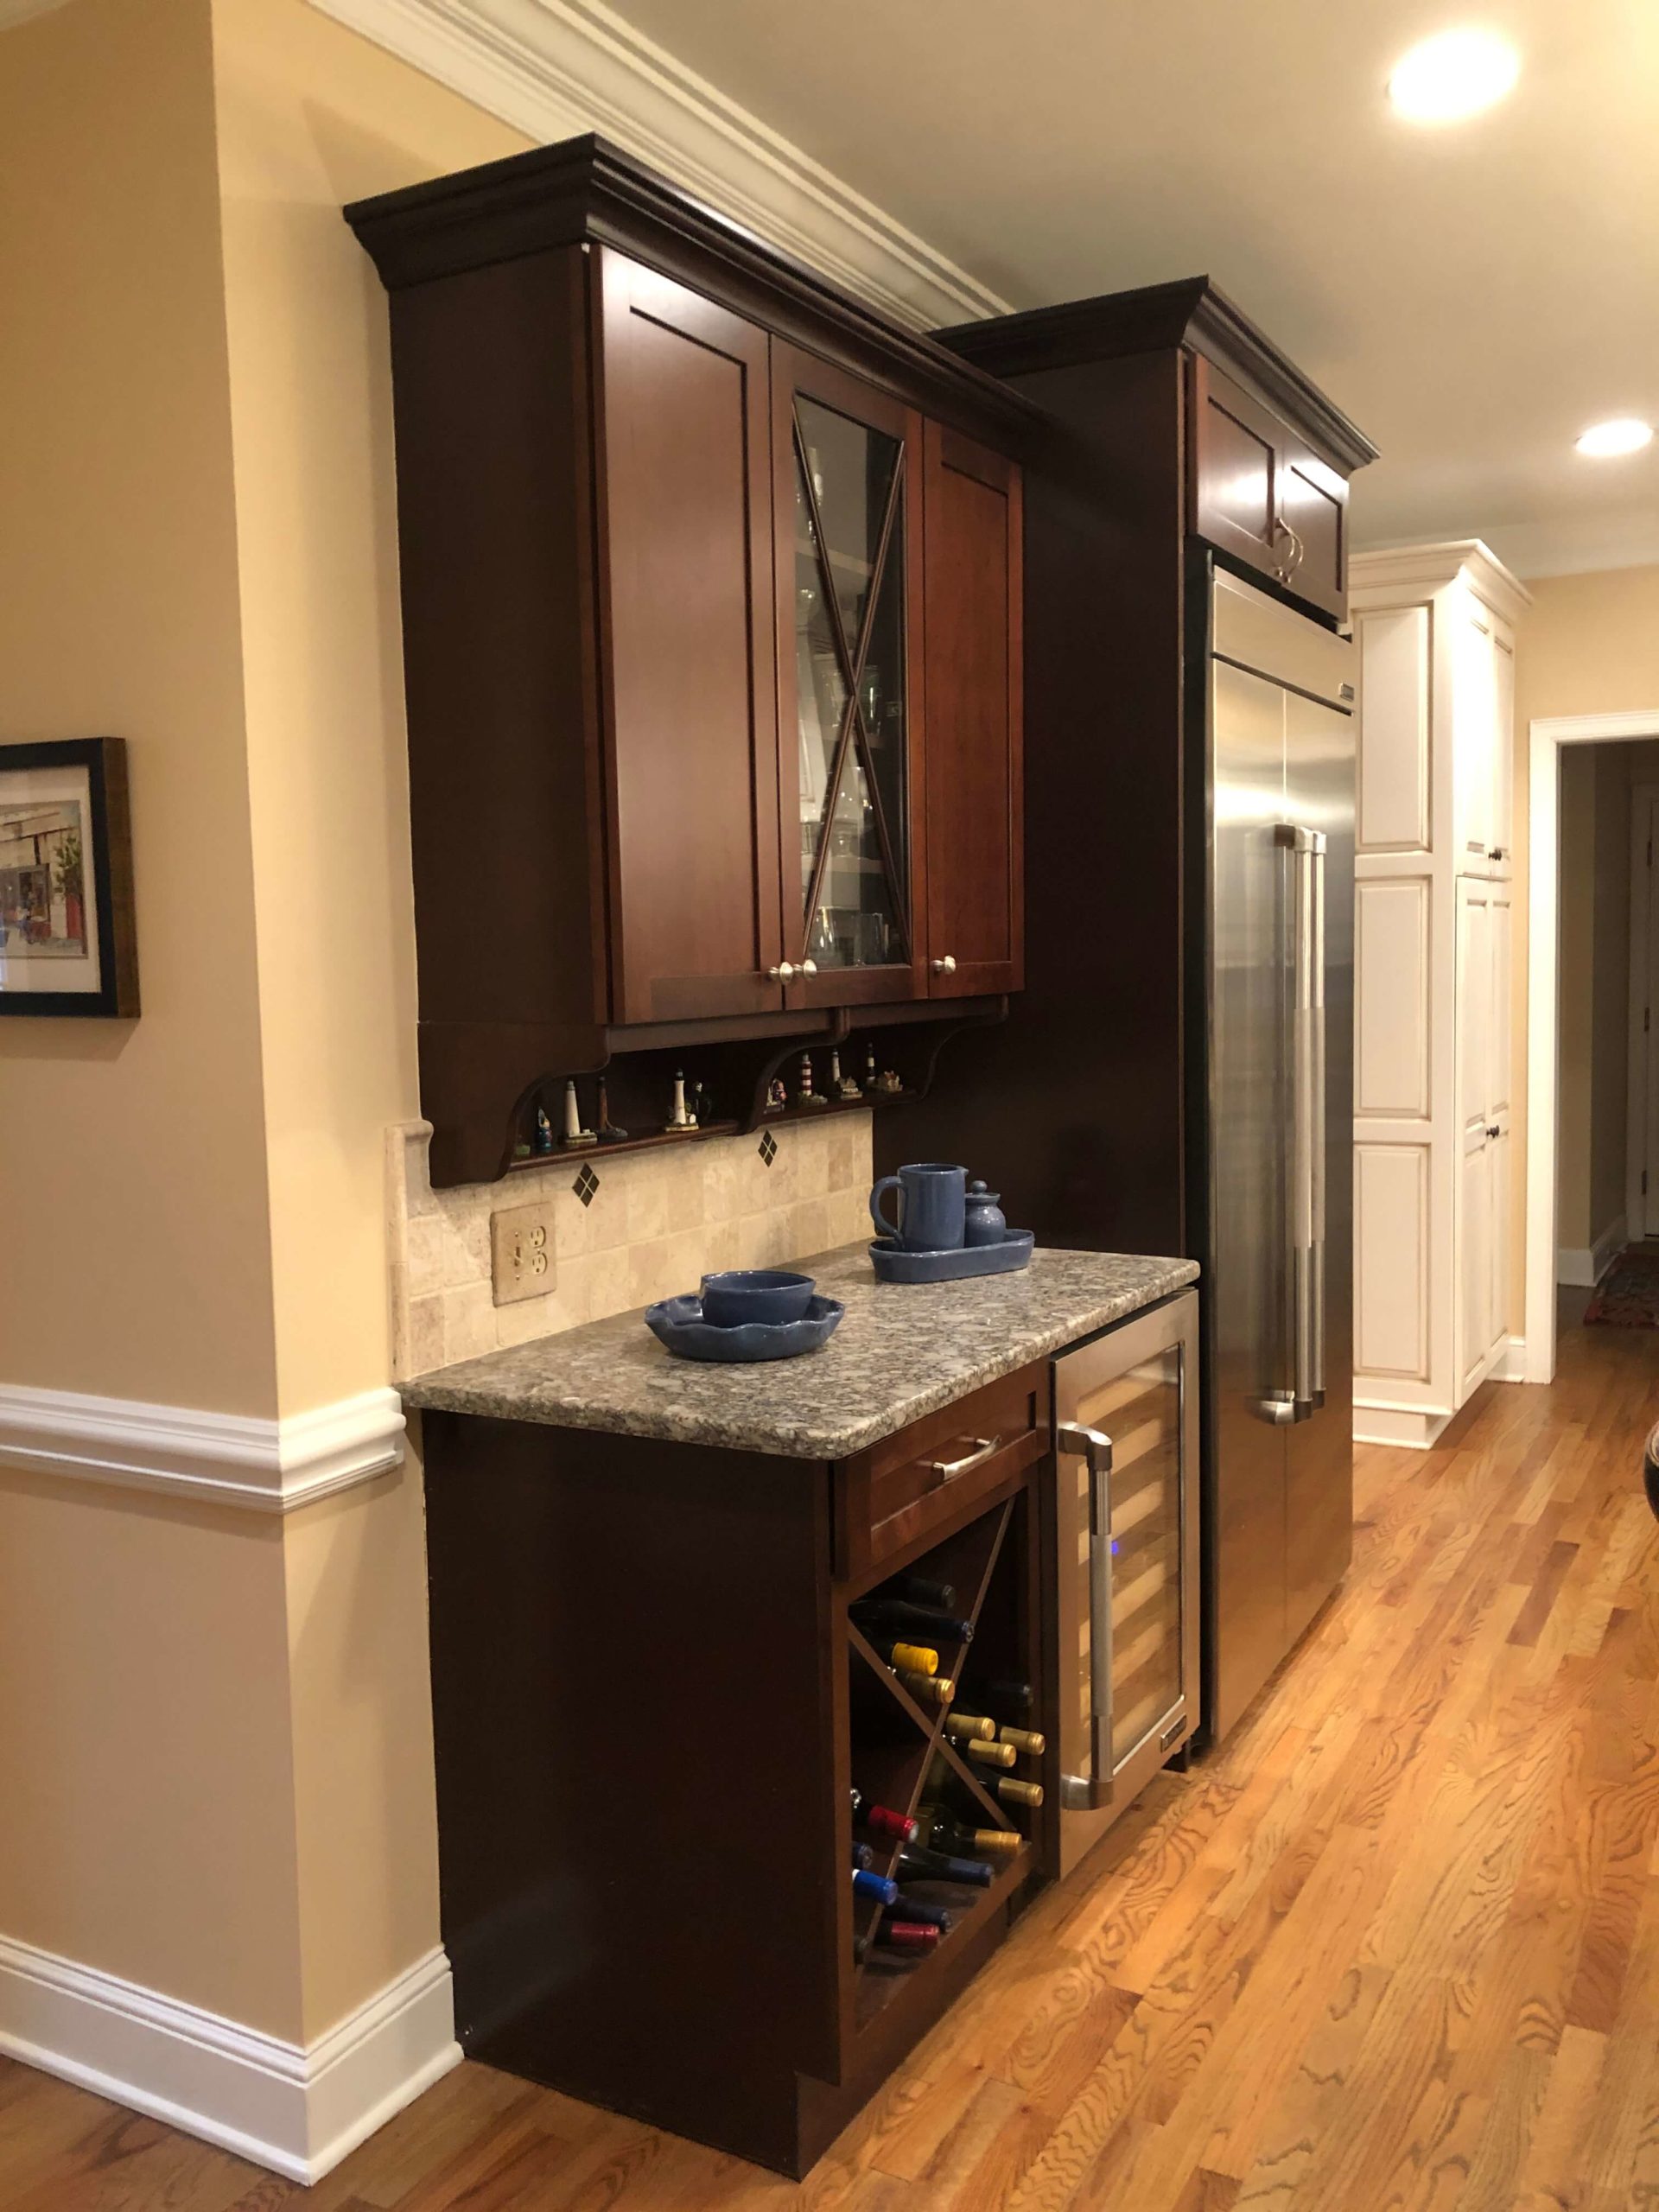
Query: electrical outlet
{"points": [[521, 1253]]}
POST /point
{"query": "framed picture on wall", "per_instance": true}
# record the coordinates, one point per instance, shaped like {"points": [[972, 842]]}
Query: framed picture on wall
{"points": [[68, 944]]}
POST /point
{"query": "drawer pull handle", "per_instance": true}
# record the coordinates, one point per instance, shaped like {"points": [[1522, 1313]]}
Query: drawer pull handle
{"points": [[948, 1470]]}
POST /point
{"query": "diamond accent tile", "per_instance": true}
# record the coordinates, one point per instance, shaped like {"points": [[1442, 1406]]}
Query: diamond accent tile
{"points": [[768, 1147], [586, 1186]]}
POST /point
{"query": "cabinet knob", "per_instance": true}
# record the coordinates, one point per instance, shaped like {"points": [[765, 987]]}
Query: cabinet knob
{"points": [[1497, 853], [781, 973], [946, 966], [809, 968], [1494, 1128]]}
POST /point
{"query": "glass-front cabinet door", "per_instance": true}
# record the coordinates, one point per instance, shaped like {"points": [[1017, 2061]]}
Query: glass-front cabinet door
{"points": [[847, 485]]}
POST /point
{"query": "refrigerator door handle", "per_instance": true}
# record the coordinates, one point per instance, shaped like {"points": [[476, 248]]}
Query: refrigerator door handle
{"points": [[1307, 1207], [1094, 1447]]}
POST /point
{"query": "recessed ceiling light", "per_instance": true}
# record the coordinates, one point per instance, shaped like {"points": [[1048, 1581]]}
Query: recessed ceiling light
{"points": [[1454, 74], [1604, 441]]}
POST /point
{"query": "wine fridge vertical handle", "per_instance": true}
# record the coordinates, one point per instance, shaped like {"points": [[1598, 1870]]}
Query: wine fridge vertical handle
{"points": [[1095, 1448], [1306, 1195]]}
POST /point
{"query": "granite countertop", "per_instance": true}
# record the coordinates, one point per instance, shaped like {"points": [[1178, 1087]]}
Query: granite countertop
{"points": [[901, 1351]]}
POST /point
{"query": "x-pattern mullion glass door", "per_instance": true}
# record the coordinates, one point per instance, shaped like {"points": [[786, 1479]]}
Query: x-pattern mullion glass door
{"points": [[849, 480]]}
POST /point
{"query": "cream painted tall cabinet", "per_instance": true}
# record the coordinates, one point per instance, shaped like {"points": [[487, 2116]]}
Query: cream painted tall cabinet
{"points": [[1433, 1051]]}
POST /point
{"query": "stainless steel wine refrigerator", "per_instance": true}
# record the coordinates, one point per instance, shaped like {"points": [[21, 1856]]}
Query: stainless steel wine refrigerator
{"points": [[1176, 1076]]}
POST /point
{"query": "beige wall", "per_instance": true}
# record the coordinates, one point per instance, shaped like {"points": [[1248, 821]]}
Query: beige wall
{"points": [[132, 1168], [214, 1727], [311, 117], [1590, 644]]}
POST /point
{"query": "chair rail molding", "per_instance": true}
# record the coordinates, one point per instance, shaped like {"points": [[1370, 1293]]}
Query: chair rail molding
{"points": [[296, 2108], [239, 1460], [555, 68]]}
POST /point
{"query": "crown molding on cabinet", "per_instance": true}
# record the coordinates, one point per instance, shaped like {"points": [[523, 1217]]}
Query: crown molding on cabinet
{"points": [[297, 2108], [557, 68], [1426, 568], [272, 1466]]}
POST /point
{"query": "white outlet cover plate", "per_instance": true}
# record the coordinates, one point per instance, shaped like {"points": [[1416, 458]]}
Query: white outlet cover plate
{"points": [[521, 1253]]}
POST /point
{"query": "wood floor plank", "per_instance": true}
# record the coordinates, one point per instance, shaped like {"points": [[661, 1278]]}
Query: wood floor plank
{"points": [[1394, 1948]]}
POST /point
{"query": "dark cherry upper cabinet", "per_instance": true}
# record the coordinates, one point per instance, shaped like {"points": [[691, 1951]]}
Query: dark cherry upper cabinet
{"points": [[1259, 492], [684, 515], [851, 714], [972, 539], [662, 530]]}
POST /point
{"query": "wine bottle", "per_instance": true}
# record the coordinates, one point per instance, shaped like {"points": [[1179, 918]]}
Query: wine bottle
{"points": [[930, 1915], [908, 1658], [922, 1590], [918, 1864], [929, 1689], [1030, 1740], [1014, 1792], [1007, 1696], [965, 1724], [943, 1831], [898, 1616], [906, 1936], [881, 1820], [984, 1754], [862, 1855], [866, 1884]]}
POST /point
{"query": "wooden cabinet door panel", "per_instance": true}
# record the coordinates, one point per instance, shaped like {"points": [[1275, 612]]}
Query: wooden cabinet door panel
{"points": [[976, 887], [1233, 486], [1313, 503], [847, 490], [685, 521], [1474, 678]]}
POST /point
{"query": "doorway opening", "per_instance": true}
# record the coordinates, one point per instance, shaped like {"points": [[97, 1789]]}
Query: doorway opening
{"points": [[1592, 1004]]}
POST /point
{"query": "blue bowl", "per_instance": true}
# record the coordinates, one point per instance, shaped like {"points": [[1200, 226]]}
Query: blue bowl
{"points": [[744, 1294], [679, 1326]]}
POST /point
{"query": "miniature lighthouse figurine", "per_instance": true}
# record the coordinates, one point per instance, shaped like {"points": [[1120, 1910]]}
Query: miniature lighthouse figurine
{"points": [[841, 1086], [574, 1132], [678, 1118]]}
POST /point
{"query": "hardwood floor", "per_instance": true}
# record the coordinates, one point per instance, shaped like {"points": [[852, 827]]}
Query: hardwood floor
{"points": [[1395, 1950]]}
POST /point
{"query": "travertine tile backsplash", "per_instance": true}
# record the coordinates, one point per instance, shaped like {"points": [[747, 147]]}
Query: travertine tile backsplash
{"points": [[657, 1221]]}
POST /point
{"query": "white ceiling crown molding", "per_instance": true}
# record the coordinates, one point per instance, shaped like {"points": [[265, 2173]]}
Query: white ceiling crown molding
{"points": [[555, 68], [219, 1458]]}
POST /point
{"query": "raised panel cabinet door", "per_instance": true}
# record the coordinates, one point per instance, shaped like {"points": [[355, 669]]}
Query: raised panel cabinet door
{"points": [[1473, 1224], [1233, 492], [1314, 506], [847, 462], [684, 513], [1502, 800], [976, 844], [1474, 715]]}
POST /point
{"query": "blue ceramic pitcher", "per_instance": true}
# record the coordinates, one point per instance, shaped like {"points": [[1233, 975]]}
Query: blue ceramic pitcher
{"points": [[932, 1207]]}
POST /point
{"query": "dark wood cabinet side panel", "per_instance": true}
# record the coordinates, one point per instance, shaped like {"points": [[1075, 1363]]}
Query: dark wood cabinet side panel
{"points": [[634, 1722], [974, 793], [686, 567], [494, 525], [1072, 1107]]}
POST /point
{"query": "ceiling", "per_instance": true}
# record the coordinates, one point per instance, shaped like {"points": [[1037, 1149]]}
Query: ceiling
{"points": [[1473, 295]]}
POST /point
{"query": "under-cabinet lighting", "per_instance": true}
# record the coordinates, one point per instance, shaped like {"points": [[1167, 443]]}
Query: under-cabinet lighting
{"points": [[1454, 74]]}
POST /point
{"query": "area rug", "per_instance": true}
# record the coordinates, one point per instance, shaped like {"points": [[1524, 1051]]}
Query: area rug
{"points": [[1628, 1294]]}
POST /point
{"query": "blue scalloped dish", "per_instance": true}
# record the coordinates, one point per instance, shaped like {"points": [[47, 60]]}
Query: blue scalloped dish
{"points": [[1004, 1259], [679, 1326]]}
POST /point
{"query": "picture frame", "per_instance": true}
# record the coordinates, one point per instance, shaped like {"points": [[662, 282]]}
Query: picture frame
{"points": [[68, 942]]}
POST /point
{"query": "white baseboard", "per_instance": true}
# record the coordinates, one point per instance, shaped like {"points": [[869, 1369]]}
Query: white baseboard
{"points": [[1582, 1269], [223, 1459], [1510, 1365], [297, 2109], [1414, 1428]]}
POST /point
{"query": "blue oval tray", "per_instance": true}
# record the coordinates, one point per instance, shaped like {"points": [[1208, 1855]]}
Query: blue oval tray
{"points": [[679, 1326], [1004, 1259]]}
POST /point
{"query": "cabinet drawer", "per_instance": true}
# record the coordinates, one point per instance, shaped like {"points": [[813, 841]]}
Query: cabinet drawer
{"points": [[916, 1483]]}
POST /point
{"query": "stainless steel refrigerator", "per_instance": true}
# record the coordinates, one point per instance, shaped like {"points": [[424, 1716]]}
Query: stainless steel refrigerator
{"points": [[1271, 781]]}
